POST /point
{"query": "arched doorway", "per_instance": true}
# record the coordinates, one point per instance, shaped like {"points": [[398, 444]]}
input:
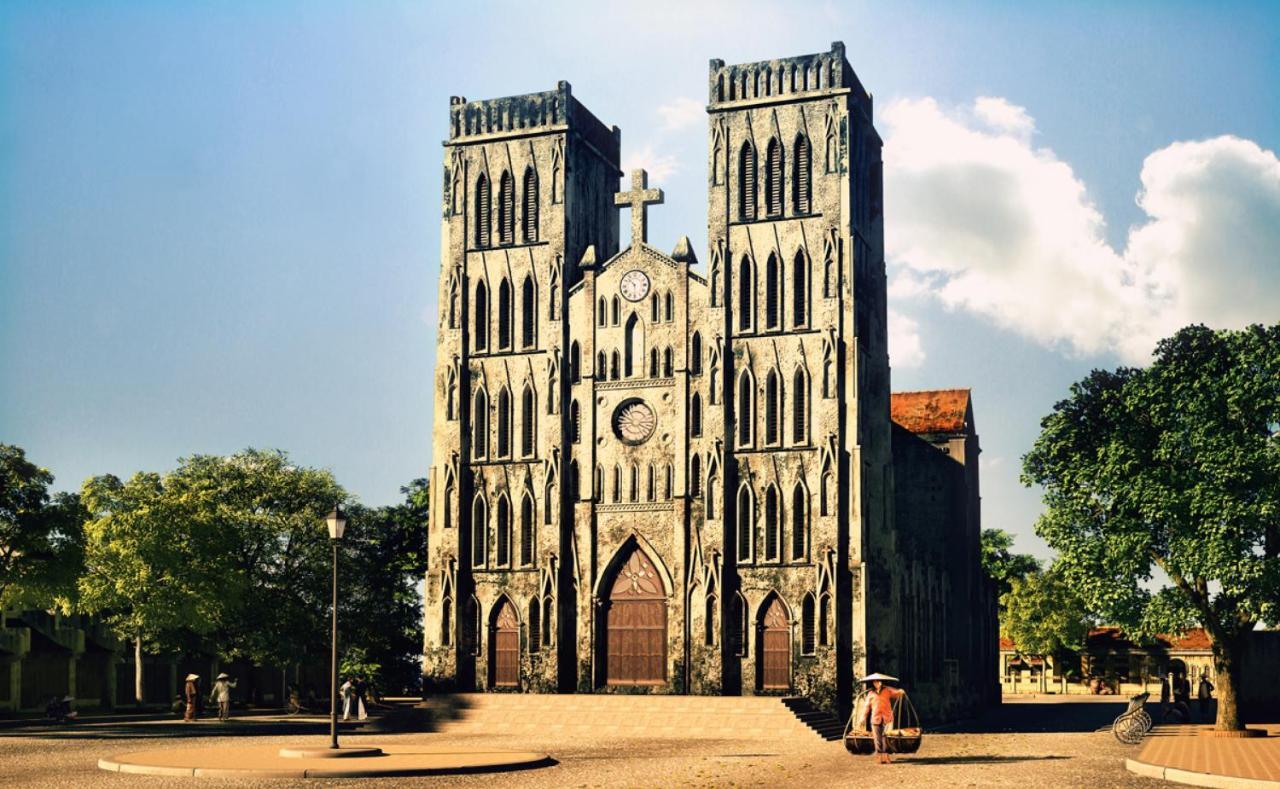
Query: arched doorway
{"points": [[775, 646], [635, 615], [505, 650]]}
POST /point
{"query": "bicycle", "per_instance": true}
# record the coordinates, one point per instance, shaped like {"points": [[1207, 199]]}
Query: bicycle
{"points": [[1131, 726]]}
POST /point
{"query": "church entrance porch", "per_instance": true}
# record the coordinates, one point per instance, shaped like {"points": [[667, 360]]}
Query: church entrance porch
{"points": [[775, 646], [505, 641], [635, 633]]}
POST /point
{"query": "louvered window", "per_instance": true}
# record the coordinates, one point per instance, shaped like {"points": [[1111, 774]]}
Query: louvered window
{"points": [[528, 314], [482, 211], [771, 524], [747, 183], [504, 533], [800, 289], [807, 625], [772, 308], [526, 536], [530, 205], [800, 408], [803, 183], [771, 396], [773, 178], [528, 419], [799, 521], [695, 415], [504, 315], [506, 209], [504, 423]]}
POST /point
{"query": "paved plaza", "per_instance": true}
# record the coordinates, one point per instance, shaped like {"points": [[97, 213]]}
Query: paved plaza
{"points": [[1025, 744]]}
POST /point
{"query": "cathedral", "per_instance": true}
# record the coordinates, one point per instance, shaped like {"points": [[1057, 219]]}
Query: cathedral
{"points": [[658, 474]]}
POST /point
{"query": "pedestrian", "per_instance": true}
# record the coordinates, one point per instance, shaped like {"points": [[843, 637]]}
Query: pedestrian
{"points": [[192, 694], [1164, 697], [221, 693], [1204, 697], [348, 692], [880, 711], [1182, 697], [362, 690]]}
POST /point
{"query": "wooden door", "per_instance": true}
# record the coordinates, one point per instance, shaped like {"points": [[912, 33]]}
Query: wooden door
{"points": [[775, 652], [636, 631], [506, 647]]}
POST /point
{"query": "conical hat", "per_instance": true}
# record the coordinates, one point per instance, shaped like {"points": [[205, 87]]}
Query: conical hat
{"points": [[192, 676], [881, 677]]}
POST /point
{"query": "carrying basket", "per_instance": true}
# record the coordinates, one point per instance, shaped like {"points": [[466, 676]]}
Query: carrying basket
{"points": [[904, 737]]}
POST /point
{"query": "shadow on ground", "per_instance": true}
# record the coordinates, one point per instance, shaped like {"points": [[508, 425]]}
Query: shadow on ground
{"points": [[1047, 717], [975, 759]]}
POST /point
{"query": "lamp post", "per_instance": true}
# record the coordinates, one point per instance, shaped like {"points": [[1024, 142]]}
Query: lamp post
{"points": [[337, 523]]}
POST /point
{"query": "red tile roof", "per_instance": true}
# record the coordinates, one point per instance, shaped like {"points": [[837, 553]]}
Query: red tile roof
{"points": [[936, 411]]}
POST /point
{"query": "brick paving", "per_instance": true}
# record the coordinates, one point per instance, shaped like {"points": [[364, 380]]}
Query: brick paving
{"points": [[1182, 748], [1073, 756]]}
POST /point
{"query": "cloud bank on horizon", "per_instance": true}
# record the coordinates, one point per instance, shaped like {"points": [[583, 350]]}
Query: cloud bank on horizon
{"points": [[986, 221]]}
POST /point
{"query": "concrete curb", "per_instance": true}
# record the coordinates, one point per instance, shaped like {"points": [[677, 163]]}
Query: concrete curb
{"points": [[454, 763], [1190, 778]]}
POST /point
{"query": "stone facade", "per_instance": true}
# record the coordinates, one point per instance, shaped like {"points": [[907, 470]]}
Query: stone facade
{"points": [[656, 480]]}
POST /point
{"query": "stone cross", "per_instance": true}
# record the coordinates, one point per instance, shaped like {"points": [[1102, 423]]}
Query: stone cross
{"points": [[639, 199]]}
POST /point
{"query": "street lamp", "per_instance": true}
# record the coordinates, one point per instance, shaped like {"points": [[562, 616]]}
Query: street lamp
{"points": [[337, 523]]}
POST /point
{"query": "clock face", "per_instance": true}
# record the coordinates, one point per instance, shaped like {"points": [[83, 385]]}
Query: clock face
{"points": [[634, 421], [635, 285]]}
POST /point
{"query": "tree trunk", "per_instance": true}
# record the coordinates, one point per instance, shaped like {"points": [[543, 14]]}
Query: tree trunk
{"points": [[137, 671], [1226, 664]]}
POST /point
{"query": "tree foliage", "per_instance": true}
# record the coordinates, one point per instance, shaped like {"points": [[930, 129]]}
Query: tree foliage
{"points": [[1043, 615], [1001, 564], [41, 536], [1174, 468]]}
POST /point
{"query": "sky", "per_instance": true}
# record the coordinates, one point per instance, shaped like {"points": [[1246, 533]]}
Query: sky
{"points": [[219, 222]]}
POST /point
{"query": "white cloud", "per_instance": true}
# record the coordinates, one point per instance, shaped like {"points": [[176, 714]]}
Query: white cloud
{"points": [[985, 221], [905, 348], [660, 166], [682, 113]]}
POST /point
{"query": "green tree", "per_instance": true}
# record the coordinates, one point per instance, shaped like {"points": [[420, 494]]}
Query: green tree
{"points": [[151, 563], [1001, 564], [380, 610], [1174, 468], [1043, 615], [41, 536]]}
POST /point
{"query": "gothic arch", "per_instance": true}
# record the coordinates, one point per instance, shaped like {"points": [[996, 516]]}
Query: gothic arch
{"points": [[506, 209], [747, 182], [482, 211], [746, 294], [504, 314], [746, 415], [621, 553], [480, 335], [633, 346], [773, 177], [530, 205], [528, 313], [504, 643]]}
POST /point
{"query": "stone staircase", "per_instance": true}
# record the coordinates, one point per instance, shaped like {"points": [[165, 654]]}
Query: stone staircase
{"points": [[636, 716], [823, 723]]}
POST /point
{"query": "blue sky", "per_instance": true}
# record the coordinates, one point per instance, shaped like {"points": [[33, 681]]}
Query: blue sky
{"points": [[219, 222]]}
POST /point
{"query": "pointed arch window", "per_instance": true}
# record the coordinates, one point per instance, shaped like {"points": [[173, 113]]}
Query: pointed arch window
{"points": [[713, 489], [506, 209], [653, 363], [480, 425], [617, 483], [504, 315], [747, 182], [526, 531], [530, 205], [772, 293], [807, 615], [453, 302], [695, 354], [481, 333], [446, 622], [746, 523], [575, 363], [669, 482], [695, 477], [548, 626], [746, 294], [827, 495], [504, 532], [447, 508], [741, 625], [695, 415], [824, 618], [575, 422], [801, 181], [651, 488], [772, 403], [772, 524], [479, 530], [504, 423], [746, 409], [482, 219], [709, 637], [800, 407], [535, 624], [528, 313], [615, 313], [549, 501], [451, 395], [528, 421], [800, 289], [668, 366], [773, 177], [601, 312], [634, 490], [602, 366], [613, 366], [599, 486], [654, 311], [633, 339], [799, 521], [669, 307]]}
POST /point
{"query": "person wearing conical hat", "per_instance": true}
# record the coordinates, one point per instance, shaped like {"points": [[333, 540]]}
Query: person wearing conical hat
{"points": [[880, 711], [192, 694], [221, 693]]}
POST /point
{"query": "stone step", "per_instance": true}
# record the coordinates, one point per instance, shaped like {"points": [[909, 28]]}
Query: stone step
{"points": [[641, 716]]}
